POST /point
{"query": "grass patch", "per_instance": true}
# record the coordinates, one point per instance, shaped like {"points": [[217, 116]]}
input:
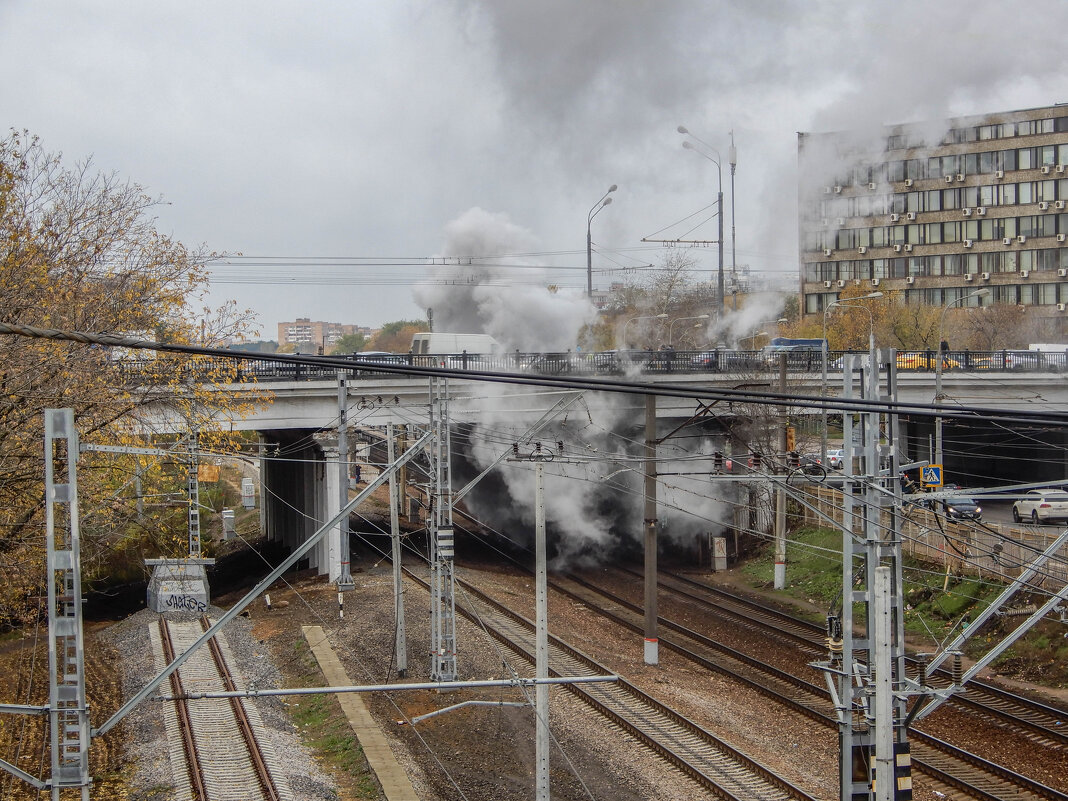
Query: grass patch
{"points": [[936, 605], [326, 731]]}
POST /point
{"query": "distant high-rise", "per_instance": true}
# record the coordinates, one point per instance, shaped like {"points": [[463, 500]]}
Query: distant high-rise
{"points": [[311, 335], [937, 210]]}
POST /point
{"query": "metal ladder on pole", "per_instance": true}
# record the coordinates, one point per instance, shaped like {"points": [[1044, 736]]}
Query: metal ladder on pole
{"points": [[68, 712], [442, 550]]}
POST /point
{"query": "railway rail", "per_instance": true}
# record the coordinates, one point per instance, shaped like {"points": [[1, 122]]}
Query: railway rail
{"points": [[1039, 722], [716, 766], [223, 757], [957, 772]]}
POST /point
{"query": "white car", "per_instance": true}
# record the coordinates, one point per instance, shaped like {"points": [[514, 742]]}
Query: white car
{"points": [[1041, 505], [834, 459]]}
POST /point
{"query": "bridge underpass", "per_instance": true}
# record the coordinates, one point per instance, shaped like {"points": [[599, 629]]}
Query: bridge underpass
{"points": [[303, 488]]}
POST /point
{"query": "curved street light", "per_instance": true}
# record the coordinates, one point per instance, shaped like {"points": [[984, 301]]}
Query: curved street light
{"points": [[600, 204], [754, 337], [719, 200], [844, 302], [671, 325], [632, 319], [938, 368]]}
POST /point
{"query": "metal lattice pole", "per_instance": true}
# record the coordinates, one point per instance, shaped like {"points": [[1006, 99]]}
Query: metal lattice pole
{"points": [[193, 495], [443, 600], [68, 715]]}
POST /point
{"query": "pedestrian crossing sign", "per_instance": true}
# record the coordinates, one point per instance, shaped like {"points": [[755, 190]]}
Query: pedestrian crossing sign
{"points": [[931, 475]]}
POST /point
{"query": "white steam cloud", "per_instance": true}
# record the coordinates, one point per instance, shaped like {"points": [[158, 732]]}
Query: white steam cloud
{"points": [[483, 289]]}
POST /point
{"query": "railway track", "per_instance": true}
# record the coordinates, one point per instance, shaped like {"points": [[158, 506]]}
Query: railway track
{"points": [[1039, 722], [221, 756], [957, 773], [716, 766]]}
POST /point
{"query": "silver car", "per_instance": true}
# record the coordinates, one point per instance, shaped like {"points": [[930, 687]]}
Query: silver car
{"points": [[834, 458], [1041, 505]]}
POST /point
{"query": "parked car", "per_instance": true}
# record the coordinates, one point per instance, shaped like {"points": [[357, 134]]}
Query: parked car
{"points": [[834, 458], [918, 360], [556, 364], [963, 509], [1041, 506], [1011, 360]]}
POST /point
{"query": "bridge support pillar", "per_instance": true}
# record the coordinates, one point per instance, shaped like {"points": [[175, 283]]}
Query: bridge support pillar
{"points": [[330, 496]]}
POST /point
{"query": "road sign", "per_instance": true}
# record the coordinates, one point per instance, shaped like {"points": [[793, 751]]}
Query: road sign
{"points": [[931, 475]]}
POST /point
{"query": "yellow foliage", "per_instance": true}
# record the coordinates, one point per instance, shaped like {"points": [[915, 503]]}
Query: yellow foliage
{"points": [[79, 252]]}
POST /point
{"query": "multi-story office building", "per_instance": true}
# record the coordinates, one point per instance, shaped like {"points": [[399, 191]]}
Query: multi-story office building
{"points": [[939, 210]]}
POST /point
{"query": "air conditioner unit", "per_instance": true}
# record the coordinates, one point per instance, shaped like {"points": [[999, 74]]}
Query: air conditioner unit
{"points": [[1024, 273], [862, 250], [999, 173], [826, 284], [895, 217], [1007, 240], [875, 282], [949, 179], [841, 283], [1045, 169], [1058, 204], [910, 280], [826, 251], [966, 212], [823, 222], [910, 216], [897, 248], [826, 190], [985, 276], [1060, 307], [1043, 205], [840, 220], [980, 211], [1060, 237], [960, 176], [838, 190], [969, 276], [871, 185], [908, 182], [1061, 273], [1060, 168], [1021, 239], [967, 243], [908, 248]]}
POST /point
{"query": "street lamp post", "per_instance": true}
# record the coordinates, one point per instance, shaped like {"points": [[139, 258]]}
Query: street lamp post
{"points": [[600, 204], [671, 325], [754, 337], [823, 348], [632, 319], [732, 159], [719, 202], [938, 368]]}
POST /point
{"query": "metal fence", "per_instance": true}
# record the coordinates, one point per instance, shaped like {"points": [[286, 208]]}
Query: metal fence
{"points": [[958, 547], [613, 363]]}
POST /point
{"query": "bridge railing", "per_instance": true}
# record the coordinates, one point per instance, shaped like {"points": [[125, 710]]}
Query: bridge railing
{"points": [[606, 363]]}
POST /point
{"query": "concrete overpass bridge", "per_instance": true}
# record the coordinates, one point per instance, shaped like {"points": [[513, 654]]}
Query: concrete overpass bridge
{"points": [[301, 472]]}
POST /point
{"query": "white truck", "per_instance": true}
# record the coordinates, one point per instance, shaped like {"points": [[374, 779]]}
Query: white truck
{"points": [[440, 343]]}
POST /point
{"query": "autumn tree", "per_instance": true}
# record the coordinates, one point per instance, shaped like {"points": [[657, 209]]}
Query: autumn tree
{"points": [[396, 337], [79, 251], [349, 343]]}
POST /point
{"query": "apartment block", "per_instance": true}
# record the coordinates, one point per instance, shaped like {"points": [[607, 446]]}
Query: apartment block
{"points": [[939, 210], [311, 335]]}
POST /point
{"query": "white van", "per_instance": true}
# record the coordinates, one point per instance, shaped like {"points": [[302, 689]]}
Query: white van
{"points": [[441, 343]]}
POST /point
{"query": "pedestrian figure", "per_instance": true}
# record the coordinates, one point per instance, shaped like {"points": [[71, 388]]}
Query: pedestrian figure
{"points": [[357, 474]]}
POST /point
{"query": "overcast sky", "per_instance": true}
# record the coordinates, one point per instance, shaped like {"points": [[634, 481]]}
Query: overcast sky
{"points": [[361, 131]]}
